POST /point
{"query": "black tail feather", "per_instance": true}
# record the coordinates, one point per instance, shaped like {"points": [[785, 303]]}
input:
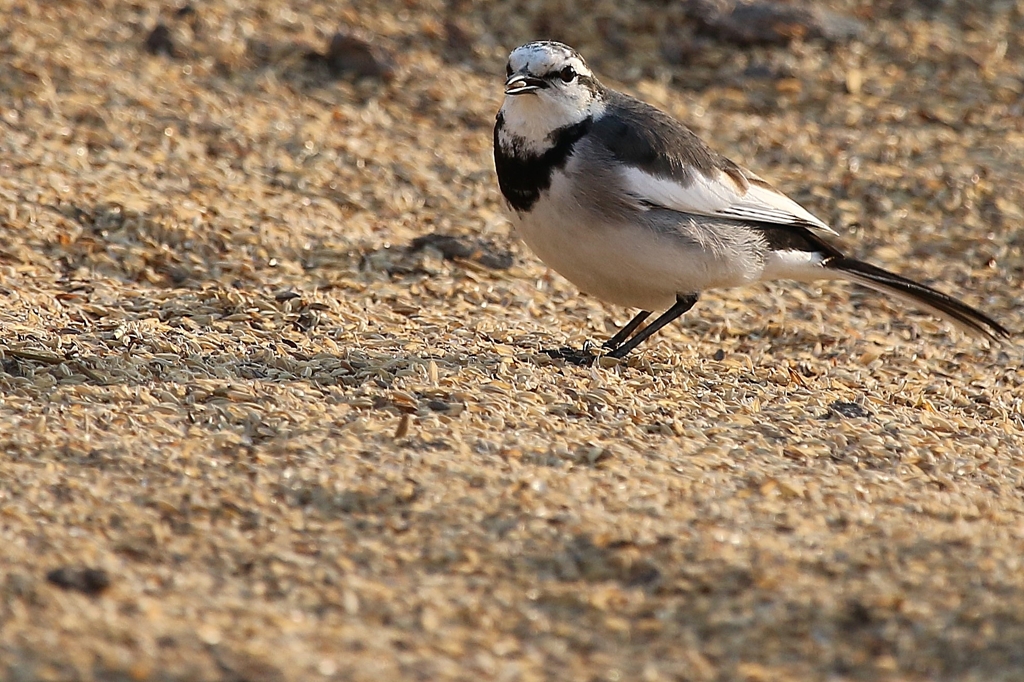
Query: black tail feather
{"points": [[967, 317]]}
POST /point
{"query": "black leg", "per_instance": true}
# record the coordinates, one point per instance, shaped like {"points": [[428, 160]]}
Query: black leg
{"points": [[623, 334], [683, 303]]}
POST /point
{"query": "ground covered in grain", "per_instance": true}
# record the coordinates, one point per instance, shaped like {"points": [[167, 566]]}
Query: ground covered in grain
{"points": [[248, 433]]}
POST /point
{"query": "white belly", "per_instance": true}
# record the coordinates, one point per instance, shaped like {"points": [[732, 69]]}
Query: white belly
{"points": [[614, 260]]}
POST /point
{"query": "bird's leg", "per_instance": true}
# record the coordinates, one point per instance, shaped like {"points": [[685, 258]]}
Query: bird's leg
{"points": [[682, 304], [623, 334]]}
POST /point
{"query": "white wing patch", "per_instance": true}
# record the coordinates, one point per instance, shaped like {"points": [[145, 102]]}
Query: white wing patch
{"points": [[720, 196]]}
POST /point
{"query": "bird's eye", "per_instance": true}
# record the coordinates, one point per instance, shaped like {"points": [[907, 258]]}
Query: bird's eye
{"points": [[508, 70], [568, 74]]}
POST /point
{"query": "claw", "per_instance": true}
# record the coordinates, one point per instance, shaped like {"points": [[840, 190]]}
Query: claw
{"points": [[582, 358]]}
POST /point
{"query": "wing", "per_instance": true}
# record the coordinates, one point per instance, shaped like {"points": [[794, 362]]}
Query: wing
{"points": [[722, 194], [667, 165]]}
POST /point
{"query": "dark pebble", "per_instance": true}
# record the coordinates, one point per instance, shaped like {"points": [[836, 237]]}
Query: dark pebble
{"points": [[350, 56], [848, 410], [769, 23], [460, 248], [458, 39], [91, 581], [159, 41], [438, 405]]}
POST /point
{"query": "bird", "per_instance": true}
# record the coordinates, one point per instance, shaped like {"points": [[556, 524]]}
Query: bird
{"points": [[632, 207]]}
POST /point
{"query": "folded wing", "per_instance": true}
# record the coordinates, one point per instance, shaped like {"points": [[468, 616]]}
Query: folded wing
{"points": [[665, 164], [736, 194]]}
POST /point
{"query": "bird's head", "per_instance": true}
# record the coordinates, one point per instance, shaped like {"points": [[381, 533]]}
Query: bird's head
{"points": [[548, 86]]}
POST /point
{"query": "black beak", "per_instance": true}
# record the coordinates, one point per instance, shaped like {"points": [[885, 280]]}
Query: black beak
{"points": [[520, 83]]}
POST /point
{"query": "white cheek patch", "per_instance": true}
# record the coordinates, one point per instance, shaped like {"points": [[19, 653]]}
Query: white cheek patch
{"points": [[531, 118], [528, 123]]}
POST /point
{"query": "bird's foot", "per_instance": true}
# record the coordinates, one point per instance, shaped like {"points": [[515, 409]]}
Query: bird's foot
{"points": [[584, 357]]}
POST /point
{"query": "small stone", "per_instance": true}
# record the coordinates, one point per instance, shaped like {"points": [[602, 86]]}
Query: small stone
{"points": [[848, 410], [91, 581], [159, 41], [770, 23], [479, 251], [458, 39], [438, 405], [350, 56]]}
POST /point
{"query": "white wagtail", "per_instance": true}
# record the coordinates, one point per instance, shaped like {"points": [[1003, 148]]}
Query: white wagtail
{"points": [[632, 207]]}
